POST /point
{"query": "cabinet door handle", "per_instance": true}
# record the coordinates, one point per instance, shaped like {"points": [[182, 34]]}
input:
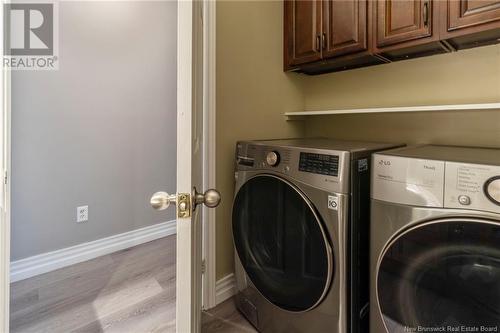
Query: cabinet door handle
{"points": [[324, 41], [425, 13], [318, 42]]}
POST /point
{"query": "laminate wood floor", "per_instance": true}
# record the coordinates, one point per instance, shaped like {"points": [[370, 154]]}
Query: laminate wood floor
{"points": [[225, 319], [130, 291], [127, 291]]}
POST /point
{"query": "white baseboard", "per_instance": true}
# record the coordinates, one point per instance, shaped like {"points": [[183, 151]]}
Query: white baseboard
{"points": [[225, 288], [46, 262]]}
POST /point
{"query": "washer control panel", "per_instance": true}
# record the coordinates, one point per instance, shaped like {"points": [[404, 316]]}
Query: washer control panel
{"points": [[323, 168], [472, 186]]}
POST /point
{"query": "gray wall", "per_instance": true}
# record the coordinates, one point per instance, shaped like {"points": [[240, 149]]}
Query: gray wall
{"points": [[99, 131]]}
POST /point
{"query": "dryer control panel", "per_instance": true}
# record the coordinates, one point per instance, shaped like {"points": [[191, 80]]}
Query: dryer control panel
{"points": [[472, 186], [436, 183]]}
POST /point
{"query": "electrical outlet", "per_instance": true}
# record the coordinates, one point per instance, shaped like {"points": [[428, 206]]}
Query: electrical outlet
{"points": [[82, 214]]}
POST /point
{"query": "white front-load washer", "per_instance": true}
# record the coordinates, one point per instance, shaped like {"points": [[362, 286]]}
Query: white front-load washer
{"points": [[435, 240]]}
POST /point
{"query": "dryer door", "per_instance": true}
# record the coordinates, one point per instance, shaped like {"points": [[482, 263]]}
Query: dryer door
{"points": [[281, 243], [443, 274]]}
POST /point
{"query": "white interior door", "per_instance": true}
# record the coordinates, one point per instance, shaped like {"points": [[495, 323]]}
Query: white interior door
{"points": [[189, 173], [189, 167], [189, 162]]}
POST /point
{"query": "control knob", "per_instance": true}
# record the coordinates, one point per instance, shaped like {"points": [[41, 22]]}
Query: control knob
{"points": [[273, 158], [492, 189]]}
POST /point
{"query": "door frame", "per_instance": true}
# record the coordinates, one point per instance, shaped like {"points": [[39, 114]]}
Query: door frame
{"points": [[209, 281], [5, 171]]}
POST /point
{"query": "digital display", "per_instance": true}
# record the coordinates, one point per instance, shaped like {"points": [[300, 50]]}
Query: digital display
{"points": [[319, 163]]}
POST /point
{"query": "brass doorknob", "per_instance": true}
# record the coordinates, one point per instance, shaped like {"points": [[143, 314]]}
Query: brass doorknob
{"points": [[211, 198], [161, 200]]}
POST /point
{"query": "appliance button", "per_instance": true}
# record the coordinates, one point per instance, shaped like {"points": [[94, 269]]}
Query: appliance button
{"points": [[286, 168], [273, 158], [464, 200], [492, 189]]}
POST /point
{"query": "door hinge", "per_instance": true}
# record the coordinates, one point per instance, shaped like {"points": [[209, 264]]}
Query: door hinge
{"points": [[203, 266], [5, 178]]}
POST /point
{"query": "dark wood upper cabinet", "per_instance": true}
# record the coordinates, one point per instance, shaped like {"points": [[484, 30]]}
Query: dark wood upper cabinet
{"points": [[469, 16], [344, 27], [470, 13], [302, 32], [332, 35], [402, 21]]}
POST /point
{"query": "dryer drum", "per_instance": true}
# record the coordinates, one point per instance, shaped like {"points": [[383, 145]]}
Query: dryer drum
{"points": [[442, 274], [281, 243]]}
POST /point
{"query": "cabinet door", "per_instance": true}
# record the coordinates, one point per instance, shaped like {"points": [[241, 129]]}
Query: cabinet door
{"points": [[302, 32], [344, 27], [402, 21], [471, 13]]}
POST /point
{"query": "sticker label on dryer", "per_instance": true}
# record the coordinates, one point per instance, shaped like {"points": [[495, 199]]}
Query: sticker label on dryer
{"points": [[333, 202], [408, 180]]}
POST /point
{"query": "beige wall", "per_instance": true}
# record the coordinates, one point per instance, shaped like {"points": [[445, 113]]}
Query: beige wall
{"points": [[252, 94], [469, 76]]}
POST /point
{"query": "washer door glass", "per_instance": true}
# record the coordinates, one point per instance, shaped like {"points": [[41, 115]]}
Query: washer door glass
{"points": [[281, 243], [442, 275]]}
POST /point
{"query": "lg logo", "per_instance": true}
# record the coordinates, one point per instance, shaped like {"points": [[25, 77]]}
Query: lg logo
{"points": [[29, 29], [384, 163], [333, 202]]}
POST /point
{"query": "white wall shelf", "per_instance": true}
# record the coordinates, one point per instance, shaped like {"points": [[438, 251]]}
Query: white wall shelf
{"points": [[299, 115]]}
